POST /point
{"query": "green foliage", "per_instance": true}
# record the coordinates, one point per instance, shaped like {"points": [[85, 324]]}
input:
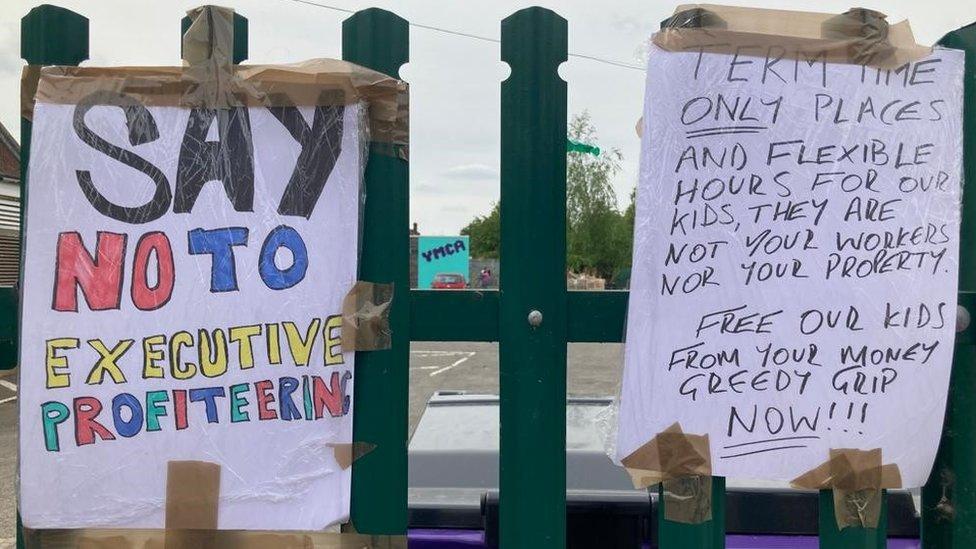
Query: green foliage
{"points": [[598, 241], [484, 234], [621, 277], [599, 238]]}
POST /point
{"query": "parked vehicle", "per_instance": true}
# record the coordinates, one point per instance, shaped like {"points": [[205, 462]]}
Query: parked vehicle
{"points": [[449, 281]]}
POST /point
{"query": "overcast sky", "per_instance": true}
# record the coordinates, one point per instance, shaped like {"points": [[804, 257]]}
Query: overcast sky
{"points": [[454, 81]]}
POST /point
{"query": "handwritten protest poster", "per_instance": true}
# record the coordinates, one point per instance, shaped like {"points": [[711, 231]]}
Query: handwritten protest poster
{"points": [[183, 284], [795, 259]]}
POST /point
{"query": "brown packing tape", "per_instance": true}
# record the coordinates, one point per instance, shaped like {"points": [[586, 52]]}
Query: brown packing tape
{"points": [[366, 317], [346, 454], [208, 55], [316, 82], [222, 539], [670, 454], [192, 501], [683, 464], [28, 88], [688, 499], [857, 508], [856, 478], [851, 469], [858, 36]]}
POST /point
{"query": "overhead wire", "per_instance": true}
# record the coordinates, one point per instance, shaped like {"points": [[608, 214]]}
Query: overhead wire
{"points": [[621, 64]]}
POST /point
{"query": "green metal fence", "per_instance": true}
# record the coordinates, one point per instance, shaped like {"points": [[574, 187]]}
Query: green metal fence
{"points": [[533, 316]]}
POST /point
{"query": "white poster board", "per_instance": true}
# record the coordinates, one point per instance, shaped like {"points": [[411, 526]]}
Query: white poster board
{"points": [[795, 260], [183, 285]]}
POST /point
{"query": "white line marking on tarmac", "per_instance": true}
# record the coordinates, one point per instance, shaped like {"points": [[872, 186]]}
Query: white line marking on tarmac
{"points": [[7, 384], [439, 353], [457, 362], [8, 399]]}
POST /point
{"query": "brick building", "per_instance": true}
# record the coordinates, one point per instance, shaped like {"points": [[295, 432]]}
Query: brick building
{"points": [[9, 208]]}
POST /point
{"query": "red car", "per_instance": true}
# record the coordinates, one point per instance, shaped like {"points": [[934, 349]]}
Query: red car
{"points": [[449, 281]]}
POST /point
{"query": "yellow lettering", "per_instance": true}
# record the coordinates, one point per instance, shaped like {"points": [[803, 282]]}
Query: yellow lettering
{"points": [[274, 347], [179, 369], [213, 363], [150, 368], [107, 361], [301, 349], [333, 343], [242, 335], [55, 362]]}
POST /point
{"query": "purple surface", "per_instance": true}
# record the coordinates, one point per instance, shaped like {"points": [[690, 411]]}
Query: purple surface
{"points": [[771, 542], [800, 542], [445, 539], [904, 543], [462, 539]]}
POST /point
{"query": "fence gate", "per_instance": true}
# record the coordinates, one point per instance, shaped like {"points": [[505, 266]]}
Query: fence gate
{"points": [[533, 316]]}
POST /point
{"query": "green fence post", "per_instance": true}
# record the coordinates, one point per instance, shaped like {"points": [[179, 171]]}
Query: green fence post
{"points": [[240, 36], [8, 324], [49, 35], [708, 534], [949, 497], [532, 309], [850, 537], [379, 40]]}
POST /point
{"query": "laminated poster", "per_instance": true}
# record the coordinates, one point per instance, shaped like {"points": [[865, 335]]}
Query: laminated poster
{"points": [[183, 283], [795, 259]]}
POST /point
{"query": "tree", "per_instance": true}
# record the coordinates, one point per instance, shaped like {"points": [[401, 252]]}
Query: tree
{"points": [[598, 237], [621, 277], [595, 239], [484, 234]]}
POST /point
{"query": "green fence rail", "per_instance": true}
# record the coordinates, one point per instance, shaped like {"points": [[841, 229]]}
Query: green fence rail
{"points": [[532, 316]]}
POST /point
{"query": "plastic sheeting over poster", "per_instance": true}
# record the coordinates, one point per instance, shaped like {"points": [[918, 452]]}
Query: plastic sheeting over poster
{"points": [[184, 277], [795, 260]]}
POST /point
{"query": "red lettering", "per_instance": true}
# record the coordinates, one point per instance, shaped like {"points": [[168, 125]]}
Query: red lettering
{"points": [[151, 298], [179, 408], [86, 427], [98, 276], [330, 398], [264, 399]]}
